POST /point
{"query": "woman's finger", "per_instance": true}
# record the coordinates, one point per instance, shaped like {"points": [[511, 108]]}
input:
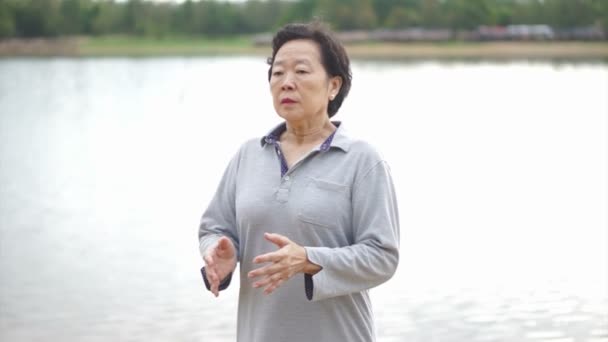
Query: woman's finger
{"points": [[210, 269], [277, 239], [266, 270], [269, 280], [223, 242], [212, 275], [215, 290], [263, 282], [270, 289], [215, 285], [268, 257], [214, 280], [209, 260], [224, 247]]}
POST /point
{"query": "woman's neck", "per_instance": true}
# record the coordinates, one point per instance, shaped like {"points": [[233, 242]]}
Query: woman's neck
{"points": [[308, 131]]}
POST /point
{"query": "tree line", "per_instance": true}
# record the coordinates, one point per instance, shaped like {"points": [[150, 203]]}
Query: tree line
{"points": [[53, 18]]}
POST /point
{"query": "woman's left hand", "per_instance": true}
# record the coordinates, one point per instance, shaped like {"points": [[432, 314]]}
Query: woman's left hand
{"points": [[289, 260]]}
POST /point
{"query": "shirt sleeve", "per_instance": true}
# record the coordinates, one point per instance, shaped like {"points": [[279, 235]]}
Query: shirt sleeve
{"points": [[219, 219], [373, 257], [223, 285]]}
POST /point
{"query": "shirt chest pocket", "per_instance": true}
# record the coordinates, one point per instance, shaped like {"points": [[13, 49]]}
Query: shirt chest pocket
{"points": [[324, 203]]}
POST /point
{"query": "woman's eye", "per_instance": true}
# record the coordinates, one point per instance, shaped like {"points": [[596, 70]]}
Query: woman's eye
{"points": [[301, 71], [277, 73]]}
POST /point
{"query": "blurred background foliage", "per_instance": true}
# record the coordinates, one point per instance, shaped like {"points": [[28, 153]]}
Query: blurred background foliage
{"points": [[53, 18]]}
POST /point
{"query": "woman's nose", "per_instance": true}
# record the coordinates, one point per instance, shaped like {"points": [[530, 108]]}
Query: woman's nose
{"points": [[288, 83]]}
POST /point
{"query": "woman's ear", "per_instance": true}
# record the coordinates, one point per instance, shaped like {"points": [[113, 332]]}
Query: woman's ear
{"points": [[335, 83]]}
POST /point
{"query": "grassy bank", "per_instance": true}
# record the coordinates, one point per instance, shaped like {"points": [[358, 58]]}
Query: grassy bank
{"points": [[483, 50], [132, 46], [129, 46]]}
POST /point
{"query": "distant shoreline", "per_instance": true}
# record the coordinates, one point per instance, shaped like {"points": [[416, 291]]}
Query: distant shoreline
{"points": [[145, 47]]}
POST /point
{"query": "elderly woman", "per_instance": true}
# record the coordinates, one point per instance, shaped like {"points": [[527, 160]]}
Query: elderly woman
{"points": [[309, 212]]}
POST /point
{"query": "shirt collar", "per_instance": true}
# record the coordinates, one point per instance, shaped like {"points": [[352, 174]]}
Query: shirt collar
{"points": [[340, 139]]}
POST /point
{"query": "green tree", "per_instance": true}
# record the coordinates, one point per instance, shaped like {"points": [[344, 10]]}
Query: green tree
{"points": [[105, 18], [402, 17], [72, 17], [601, 9], [468, 14], [570, 13], [384, 8], [217, 18], [349, 14], [7, 19], [38, 18], [431, 14], [47, 18], [184, 18], [300, 11]]}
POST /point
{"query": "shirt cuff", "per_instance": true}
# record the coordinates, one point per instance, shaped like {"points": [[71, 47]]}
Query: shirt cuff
{"points": [[223, 285], [309, 286]]}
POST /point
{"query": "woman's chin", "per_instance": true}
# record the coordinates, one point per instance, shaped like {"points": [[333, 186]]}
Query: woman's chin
{"points": [[289, 115]]}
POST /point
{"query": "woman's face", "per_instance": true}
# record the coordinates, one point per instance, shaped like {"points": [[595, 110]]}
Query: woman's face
{"points": [[299, 84]]}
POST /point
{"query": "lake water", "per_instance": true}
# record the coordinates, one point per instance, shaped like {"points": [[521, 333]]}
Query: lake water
{"points": [[107, 164]]}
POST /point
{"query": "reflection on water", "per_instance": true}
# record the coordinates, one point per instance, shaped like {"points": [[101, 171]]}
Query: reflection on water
{"points": [[106, 165]]}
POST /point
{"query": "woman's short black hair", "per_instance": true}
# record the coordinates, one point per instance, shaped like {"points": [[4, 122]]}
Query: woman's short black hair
{"points": [[333, 56]]}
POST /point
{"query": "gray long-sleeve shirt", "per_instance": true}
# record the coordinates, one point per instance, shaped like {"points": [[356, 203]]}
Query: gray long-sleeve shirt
{"points": [[339, 203]]}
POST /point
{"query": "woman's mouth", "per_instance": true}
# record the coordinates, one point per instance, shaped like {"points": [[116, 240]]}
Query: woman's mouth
{"points": [[287, 100]]}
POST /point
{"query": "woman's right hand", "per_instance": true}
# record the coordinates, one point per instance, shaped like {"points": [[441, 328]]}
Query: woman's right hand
{"points": [[220, 261]]}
